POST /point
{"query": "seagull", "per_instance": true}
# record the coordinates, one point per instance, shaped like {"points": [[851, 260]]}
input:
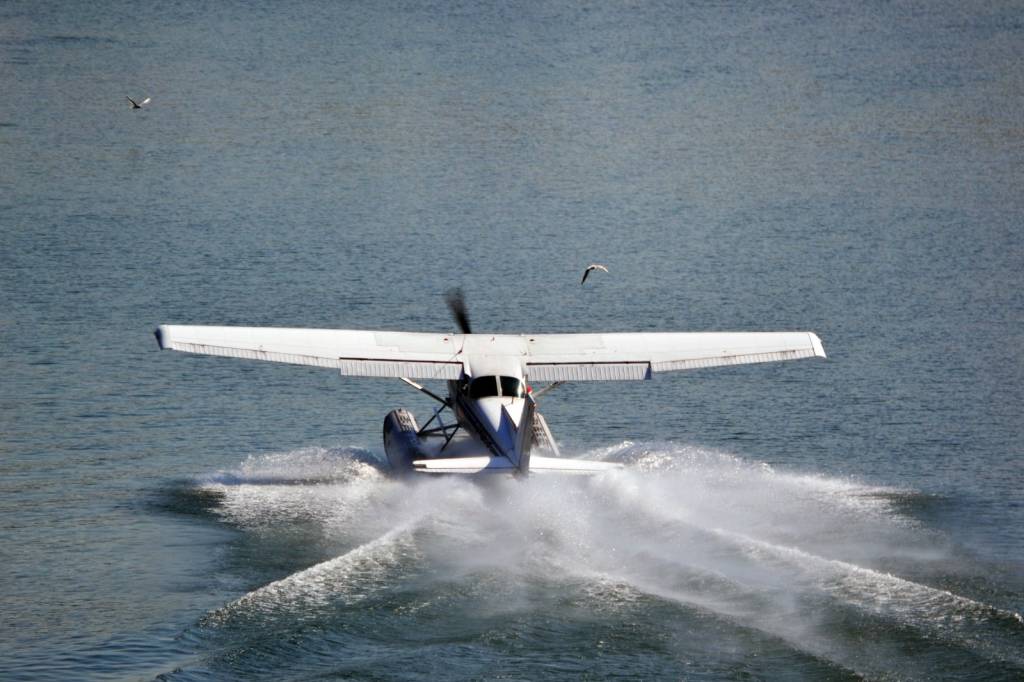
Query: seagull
{"points": [[138, 105], [592, 266]]}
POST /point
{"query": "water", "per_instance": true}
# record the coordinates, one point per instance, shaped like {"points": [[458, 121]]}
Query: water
{"points": [[854, 171]]}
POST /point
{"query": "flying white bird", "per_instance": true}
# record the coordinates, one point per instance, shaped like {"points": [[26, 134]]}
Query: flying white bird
{"points": [[592, 266], [138, 105]]}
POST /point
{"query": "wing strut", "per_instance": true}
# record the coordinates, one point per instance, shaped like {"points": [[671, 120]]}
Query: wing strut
{"points": [[550, 387], [423, 390]]}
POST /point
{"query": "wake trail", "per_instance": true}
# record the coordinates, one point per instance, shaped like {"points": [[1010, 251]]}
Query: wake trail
{"points": [[673, 549], [792, 556], [349, 578]]}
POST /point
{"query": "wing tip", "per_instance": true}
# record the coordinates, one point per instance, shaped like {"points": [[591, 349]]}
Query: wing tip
{"points": [[162, 336], [819, 350]]}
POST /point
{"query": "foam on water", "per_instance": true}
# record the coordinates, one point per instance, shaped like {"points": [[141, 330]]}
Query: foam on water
{"points": [[312, 484], [800, 557], [349, 577]]}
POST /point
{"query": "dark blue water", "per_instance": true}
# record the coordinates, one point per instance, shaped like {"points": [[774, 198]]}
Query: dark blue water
{"points": [[851, 170]]}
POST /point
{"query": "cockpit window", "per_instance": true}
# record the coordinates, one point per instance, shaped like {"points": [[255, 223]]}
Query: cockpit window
{"points": [[511, 387], [483, 387], [487, 387]]}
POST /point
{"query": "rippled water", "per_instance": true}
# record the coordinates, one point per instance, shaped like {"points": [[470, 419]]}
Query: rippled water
{"points": [[852, 170]]}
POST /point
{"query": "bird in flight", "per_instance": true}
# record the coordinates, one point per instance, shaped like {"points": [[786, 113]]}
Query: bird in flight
{"points": [[592, 266], [138, 105]]}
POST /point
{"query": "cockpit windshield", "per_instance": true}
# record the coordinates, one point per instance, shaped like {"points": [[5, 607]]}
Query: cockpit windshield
{"points": [[511, 387], [488, 387], [483, 387]]}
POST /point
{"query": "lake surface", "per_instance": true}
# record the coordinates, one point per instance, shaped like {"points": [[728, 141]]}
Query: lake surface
{"points": [[854, 170]]}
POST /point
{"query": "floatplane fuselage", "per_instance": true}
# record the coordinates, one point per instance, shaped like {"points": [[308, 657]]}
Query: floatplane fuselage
{"points": [[497, 428]]}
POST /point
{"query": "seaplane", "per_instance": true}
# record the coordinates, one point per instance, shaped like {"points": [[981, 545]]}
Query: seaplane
{"points": [[489, 421]]}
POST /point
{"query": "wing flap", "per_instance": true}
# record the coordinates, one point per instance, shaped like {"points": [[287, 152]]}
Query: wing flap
{"points": [[591, 371]]}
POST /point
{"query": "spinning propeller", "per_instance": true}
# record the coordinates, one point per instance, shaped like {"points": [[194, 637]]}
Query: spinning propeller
{"points": [[457, 304]]}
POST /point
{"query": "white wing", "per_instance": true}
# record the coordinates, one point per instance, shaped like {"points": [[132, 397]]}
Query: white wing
{"points": [[353, 352], [582, 357], [542, 357]]}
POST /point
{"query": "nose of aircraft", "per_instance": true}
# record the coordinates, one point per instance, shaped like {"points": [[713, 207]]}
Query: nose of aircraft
{"points": [[502, 416]]}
